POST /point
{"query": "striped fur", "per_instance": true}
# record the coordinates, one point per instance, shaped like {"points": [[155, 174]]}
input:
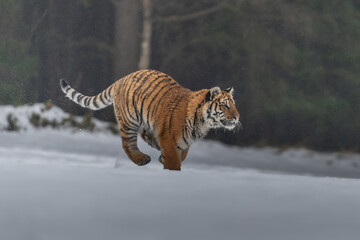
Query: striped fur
{"points": [[102, 100], [168, 117]]}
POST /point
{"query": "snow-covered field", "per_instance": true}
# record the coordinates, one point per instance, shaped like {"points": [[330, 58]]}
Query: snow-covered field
{"points": [[61, 184]]}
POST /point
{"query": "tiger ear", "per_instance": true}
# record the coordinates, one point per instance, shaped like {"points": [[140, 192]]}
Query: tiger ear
{"points": [[230, 90], [213, 93]]}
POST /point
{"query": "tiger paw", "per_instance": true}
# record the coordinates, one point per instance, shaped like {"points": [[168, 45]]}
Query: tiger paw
{"points": [[145, 160]]}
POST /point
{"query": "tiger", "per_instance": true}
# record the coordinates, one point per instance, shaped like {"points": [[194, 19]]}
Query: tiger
{"points": [[169, 117]]}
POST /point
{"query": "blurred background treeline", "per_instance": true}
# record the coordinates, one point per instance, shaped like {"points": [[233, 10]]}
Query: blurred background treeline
{"points": [[295, 64]]}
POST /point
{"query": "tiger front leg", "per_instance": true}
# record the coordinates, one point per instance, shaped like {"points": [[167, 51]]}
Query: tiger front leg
{"points": [[170, 154]]}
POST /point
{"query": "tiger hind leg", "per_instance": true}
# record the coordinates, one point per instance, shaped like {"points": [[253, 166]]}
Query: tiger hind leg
{"points": [[129, 142], [149, 138]]}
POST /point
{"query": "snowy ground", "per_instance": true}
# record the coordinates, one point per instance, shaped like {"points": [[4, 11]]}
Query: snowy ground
{"points": [[57, 185]]}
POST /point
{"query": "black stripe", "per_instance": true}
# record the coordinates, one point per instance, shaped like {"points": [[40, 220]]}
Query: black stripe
{"points": [[208, 96], [132, 81], [197, 108], [174, 108], [111, 88], [170, 88], [102, 98], [73, 94], [126, 112], [136, 91], [147, 95], [129, 139], [155, 87], [87, 101], [165, 85], [162, 97], [193, 133], [127, 128], [79, 98], [130, 126], [211, 106], [210, 117], [213, 119], [216, 107], [195, 116], [108, 92], [128, 81], [127, 86], [95, 103], [84, 100], [129, 133], [147, 88], [183, 137]]}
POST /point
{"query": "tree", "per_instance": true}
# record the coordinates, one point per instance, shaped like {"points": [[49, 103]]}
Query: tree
{"points": [[73, 41], [126, 37], [145, 53], [294, 64], [16, 64]]}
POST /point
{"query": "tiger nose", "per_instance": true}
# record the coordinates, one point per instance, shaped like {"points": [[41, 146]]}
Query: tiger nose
{"points": [[236, 118]]}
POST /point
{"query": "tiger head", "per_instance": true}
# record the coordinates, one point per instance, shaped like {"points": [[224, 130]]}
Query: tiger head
{"points": [[221, 111]]}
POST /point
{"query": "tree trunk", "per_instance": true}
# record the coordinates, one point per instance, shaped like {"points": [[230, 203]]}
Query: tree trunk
{"points": [[127, 37], [145, 53]]}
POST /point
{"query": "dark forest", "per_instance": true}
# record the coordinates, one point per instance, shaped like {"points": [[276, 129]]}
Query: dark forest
{"points": [[295, 65]]}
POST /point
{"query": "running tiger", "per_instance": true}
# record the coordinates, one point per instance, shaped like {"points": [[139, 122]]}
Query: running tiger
{"points": [[169, 117]]}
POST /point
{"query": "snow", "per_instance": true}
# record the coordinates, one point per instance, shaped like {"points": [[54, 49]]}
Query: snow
{"points": [[296, 161], [49, 114], [61, 184]]}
